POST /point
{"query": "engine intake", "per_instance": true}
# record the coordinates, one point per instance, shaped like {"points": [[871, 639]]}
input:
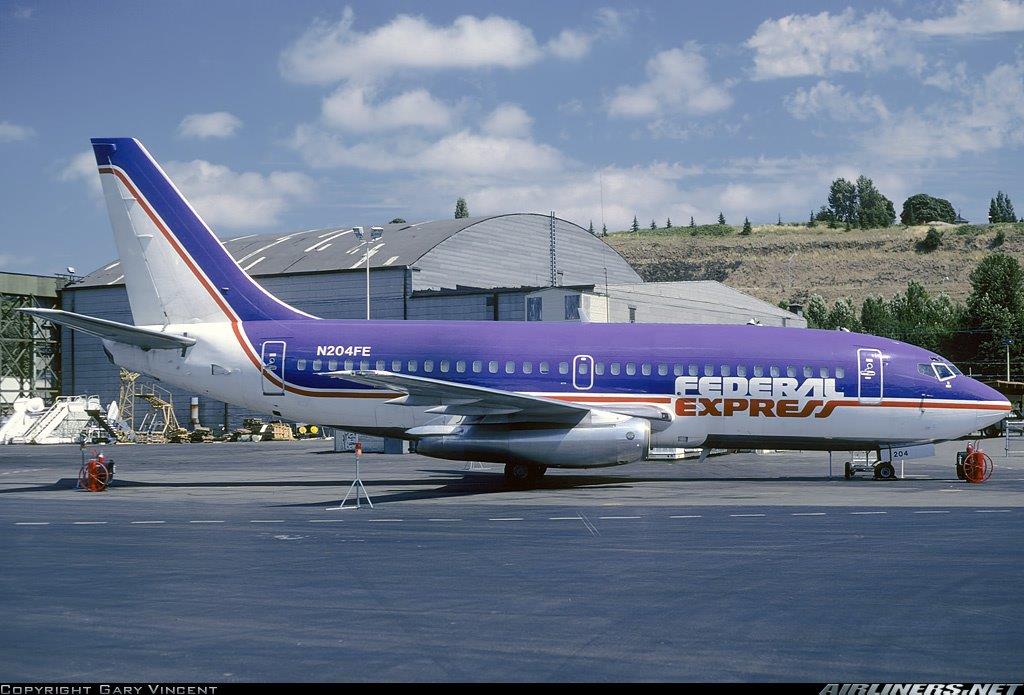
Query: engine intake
{"points": [[555, 446]]}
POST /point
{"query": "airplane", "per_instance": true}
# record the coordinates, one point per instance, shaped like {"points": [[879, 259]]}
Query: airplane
{"points": [[530, 395]]}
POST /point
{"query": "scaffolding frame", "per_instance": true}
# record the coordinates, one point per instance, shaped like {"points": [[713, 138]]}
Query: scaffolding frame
{"points": [[29, 348]]}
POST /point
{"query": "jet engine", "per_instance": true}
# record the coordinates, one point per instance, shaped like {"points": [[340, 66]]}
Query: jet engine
{"points": [[554, 445]]}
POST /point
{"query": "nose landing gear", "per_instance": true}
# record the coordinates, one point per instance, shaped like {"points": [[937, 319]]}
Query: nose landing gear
{"points": [[881, 470]]}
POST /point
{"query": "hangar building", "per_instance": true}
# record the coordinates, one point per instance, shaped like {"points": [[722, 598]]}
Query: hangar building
{"points": [[511, 267]]}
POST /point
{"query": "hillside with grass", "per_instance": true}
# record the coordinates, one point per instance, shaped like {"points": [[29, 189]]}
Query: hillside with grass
{"points": [[792, 262]]}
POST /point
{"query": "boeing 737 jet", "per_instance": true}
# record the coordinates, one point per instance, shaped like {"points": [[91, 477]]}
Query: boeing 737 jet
{"points": [[531, 395]]}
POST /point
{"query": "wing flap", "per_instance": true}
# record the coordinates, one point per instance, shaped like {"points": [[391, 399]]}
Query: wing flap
{"points": [[145, 338]]}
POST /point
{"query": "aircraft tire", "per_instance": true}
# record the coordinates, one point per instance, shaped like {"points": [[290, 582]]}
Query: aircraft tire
{"points": [[885, 471]]}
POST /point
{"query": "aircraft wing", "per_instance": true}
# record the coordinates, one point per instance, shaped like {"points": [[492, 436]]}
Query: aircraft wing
{"points": [[145, 338], [450, 398]]}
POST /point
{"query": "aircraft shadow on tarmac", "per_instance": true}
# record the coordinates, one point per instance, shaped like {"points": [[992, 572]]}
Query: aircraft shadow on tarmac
{"points": [[458, 484]]}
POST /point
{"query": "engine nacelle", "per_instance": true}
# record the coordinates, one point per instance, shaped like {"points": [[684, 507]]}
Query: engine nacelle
{"points": [[556, 446]]}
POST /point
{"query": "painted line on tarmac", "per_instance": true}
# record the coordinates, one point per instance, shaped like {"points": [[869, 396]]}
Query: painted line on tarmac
{"points": [[932, 511], [266, 521], [507, 518], [855, 513], [619, 517], [206, 521], [686, 516], [148, 522], [88, 523], [444, 519], [565, 518], [992, 511], [31, 523], [325, 521], [808, 514], [384, 521], [746, 515]]}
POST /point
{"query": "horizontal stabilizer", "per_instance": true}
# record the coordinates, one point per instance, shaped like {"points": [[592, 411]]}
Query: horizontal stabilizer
{"points": [[145, 338]]}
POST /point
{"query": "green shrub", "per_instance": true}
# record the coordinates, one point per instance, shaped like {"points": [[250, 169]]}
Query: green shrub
{"points": [[932, 240]]}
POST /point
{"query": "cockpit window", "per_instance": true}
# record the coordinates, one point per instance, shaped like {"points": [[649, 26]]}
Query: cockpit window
{"points": [[938, 370]]}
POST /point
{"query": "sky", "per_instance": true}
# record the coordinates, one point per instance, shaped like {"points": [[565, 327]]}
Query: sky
{"points": [[276, 117]]}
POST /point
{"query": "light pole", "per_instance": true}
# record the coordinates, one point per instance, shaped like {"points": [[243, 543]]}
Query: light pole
{"points": [[1009, 342], [375, 234]]}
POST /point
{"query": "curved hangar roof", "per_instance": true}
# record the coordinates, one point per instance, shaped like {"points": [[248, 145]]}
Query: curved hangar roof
{"points": [[497, 251]]}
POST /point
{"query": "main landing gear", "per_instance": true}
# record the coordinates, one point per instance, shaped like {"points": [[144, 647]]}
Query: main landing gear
{"points": [[523, 475]]}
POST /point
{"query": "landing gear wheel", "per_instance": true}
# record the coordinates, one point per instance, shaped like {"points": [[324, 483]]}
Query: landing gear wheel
{"points": [[885, 471], [523, 475], [848, 471]]}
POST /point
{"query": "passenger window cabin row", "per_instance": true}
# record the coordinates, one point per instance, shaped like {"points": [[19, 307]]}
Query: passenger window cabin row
{"points": [[582, 368]]}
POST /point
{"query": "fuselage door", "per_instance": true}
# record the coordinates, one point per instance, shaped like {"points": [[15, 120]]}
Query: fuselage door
{"points": [[869, 376], [583, 372], [273, 367]]}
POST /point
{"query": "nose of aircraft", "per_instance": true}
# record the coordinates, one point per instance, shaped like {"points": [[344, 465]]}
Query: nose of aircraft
{"points": [[977, 391]]}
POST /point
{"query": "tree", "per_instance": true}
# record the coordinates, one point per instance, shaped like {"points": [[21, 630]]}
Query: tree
{"points": [[922, 208], [668, 223], [812, 222], [873, 208], [398, 220], [842, 201], [1001, 209], [604, 230], [780, 219], [932, 240], [816, 312], [461, 209], [654, 225], [591, 228], [692, 223], [721, 218], [635, 226], [747, 229], [995, 307], [843, 315], [875, 317]]}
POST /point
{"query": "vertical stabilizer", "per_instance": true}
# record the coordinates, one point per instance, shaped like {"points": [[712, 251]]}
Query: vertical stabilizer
{"points": [[175, 269]]}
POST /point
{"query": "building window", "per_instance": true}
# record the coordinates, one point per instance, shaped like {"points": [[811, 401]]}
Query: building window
{"points": [[572, 307], [632, 314], [534, 308], [478, 366], [300, 365], [492, 367]]}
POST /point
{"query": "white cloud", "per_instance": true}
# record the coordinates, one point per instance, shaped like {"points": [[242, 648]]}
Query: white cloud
{"points": [[82, 167], [829, 100], [989, 115], [9, 132], [464, 153], [225, 198], [975, 17], [350, 108], [570, 44], [329, 52], [219, 124], [574, 44], [677, 82], [508, 120], [825, 43]]}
